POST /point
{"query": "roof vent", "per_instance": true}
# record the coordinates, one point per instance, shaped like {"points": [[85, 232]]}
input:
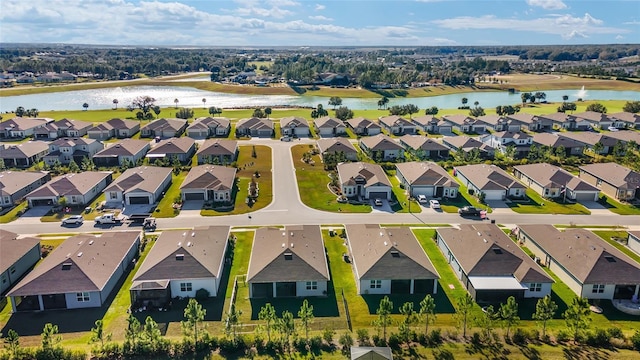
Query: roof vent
{"points": [[395, 254], [179, 257], [66, 266], [284, 245], [91, 242], [288, 256], [80, 254], [292, 245], [385, 243], [189, 244], [498, 251], [610, 259]]}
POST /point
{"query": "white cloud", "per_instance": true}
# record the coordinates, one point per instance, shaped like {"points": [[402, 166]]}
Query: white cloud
{"points": [[574, 34], [634, 22], [619, 37], [548, 4], [320, 18], [320, 7]]}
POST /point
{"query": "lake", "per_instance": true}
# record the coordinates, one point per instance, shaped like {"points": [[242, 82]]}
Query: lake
{"points": [[191, 97]]}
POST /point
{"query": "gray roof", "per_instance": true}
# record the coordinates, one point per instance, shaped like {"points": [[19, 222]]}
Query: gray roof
{"points": [[592, 116], [328, 122], [494, 119], [626, 117], [380, 142], [555, 140], [210, 122], [426, 173], [551, 176], [23, 123], [72, 124], [614, 174], [23, 150], [384, 253], [460, 119], [73, 141], [466, 143], [172, 146], [13, 249], [425, 120], [371, 173], [210, 177], [586, 256], [71, 184], [511, 135], [255, 124], [371, 353], [121, 124], [488, 177], [272, 247], [485, 250], [126, 147], [91, 260], [164, 124], [13, 181], [293, 121], [591, 138], [395, 120], [217, 147], [358, 122], [141, 178], [418, 142], [336, 145]]}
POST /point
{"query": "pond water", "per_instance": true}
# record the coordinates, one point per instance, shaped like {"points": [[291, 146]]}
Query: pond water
{"points": [[191, 97]]}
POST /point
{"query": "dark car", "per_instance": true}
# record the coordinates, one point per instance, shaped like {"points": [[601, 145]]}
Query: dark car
{"points": [[469, 211]]}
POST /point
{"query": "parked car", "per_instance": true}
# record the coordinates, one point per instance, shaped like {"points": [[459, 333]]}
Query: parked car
{"points": [[469, 211], [73, 220], [377, 202], [422, 199], [434, 204], [285, 138]]}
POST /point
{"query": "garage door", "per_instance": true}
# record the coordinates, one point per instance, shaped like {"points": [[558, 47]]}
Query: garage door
{"points": [[194, 196], [378, 195], [423, 190], [585, 197], [42, 202], [493, 195], [135, 200]]}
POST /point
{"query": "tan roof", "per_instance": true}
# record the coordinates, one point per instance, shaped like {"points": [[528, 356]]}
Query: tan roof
{"points": [[126, 147], [72, 124], [485, 250], [626, 117], [294, 121], [71, 184], [295, 253], [255, 123], [362, 122], [426, 173], [103, 126], [210, 122], [524, 117], [493, 119], [73, 141], [371, 173], [463, 142], [395, 120], [210, 177], [555, 140], [557, 117], [164, 124], [91, 260], [335, 145], [425, 120], [591, 138], [383, 253], [459, 119], [551, 176], [511, 135], [585, 255], [23, 123], [171, 146], [23, 150], [203, 250], [13, 181], [418, 142], [380, 142], [122, 123], [216, 147], [592, 116], [614, 174], [635, 233], [144, 178], [488, 177], [328, 122], [626, 135], [13, 249]]}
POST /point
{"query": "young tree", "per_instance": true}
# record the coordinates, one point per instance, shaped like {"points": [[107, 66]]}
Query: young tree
{"points": [[561, 153], [13, 343], [545, 311], [343, 113], [213, 111], [411, 109], [20, 111], [384, 315], [464, 101], [476, 111], [631, 106], [115, 104], [233, 322], [268, 315], [306, 317], [3, 166], [151, 333], [539, 95], [98, 335], [465, 305], [50, 337], [486, 321], [565, 98], [194, 314], [598, 148], [73, 167], [409, 317], [382, 103], [87, 164], [432, 111], [287, 327], [258, 113], [335, 101], [176, 101], [526, 96], [577, 316], [509, 313], [319, 112], [204, 103], [427, 309], [132, 332], [184, 113]]}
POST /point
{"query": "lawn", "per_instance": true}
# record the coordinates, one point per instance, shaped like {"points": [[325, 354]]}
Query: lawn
{"points": [[452, 205], [239, 268], [165, 206], [313, 183], [14, 213], [535, 204], [247, 166], [618, 207], [611, 236], [76, 210], [400, 196]]}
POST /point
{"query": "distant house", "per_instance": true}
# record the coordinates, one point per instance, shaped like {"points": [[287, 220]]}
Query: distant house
{"points": [[205, 127], [21, 127], [328, 126], [180, 264], [397, 125], [554, 141], [254, 127], [294, 126], [209, 183], [15, 185], [17, 256], [125, 151], [336, 146], [502, 140], [80, 273], [65, 150], [630, 120], [490, 265], [381, 148], [181, 148], [625, 136], [120, 128], [139, 185], [531, 122], [501, 123], [598, 120], [219, 151], [23, 155], [431, 124], [76, 189], [467, 144], [424, 148], [567, 121], [588, 265], [553, 182], [63, 128], [389, 261], [590, 139], [364, 127], [634, 241], [364, 180], [612, 179], [289, 262], [428, 179], [465, 124], [490, 180], [371, 353], [164, 128]]}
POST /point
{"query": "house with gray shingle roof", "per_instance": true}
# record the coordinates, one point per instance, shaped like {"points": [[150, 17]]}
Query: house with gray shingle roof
{"points": [[255, 127], [501, 123], [14, 185], [164, 128], [502, 140], [294, 126], [551, 181], [389, 261], [336, 146], [180, 263], [630, 120], [588, 265], [490, 180], [205, 127], [364, 127], [72, 128], [428, 179], [465, 124], [289, 262], [139, 185], [556, 140], [612, 179], [589, 140], [76, 189], [222, 151], [22, 127], [23, 155], [531, 122], [363, 181], [397, 125], [634, 241], [181, 148], [431, 124], [17, 256], [329, 126], [381, 147], [64, 150], [424, 148], [598, 120], [467, 144], [120, 128], [127, 150], [209, 183]]}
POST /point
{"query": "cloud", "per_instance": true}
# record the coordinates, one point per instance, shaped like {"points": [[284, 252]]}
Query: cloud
{"points": [[273, 9], [320, 18], [619, 37], [548, 4], [574, 34], [320, 7], [634, 22]]}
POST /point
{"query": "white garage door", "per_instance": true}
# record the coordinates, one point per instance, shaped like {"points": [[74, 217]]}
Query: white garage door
{"points": [[494, 194], [422, 190], [585, 197]]}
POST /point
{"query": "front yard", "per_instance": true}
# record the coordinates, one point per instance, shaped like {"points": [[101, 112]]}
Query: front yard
{"points": [[618, 207], [535, 204], [165, 206]]}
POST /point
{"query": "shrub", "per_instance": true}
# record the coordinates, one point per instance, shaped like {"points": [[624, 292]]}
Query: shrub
{"points": [[635, 340], [378, 341], [519, 337], [346, 340], [615, 332], [363, 337], [562, 336], [435, 337], [599, 338], [327, 335], [202, 294], [315, 344], [395, 341]]}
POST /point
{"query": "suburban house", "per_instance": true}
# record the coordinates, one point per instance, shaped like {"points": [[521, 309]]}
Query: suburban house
{"points": [[431, 124], [428, 179], [205, 127], [164, 128], [598, 120], [490, 265], [588, 265], [625, 136], [21, 127], [337, 146], [221, 151], [551, 181], [389, 261], [467, 144], [76, 189], [294, 126], [634, 241], [501, 123], [259, 127], [465, 124], [531, 122], [80, 273], [63, 127], [397, 125], [424, 148], [209, 183], [364, 180], [589, 140], [181, 148], [139, 185], [120, 128], [630, 120], [17, 256], [289, 262], [65, 150], [566, 121], [371, 353], [555, 140], [328, 126], [15, 185], [612, 179], [489, 180], [181, 263], [364, 127], [381, 148], [125, 151], [502, 140], [23, 155]]}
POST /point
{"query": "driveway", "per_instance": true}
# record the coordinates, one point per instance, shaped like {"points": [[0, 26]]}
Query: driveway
{"points": [[37, 212], [191, 208], [384, 208]]}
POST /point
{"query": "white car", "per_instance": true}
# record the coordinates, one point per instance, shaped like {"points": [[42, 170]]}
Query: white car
{"points": [[377, 202], [422, 199], [285, 138], [434, 204], [73, 220]]}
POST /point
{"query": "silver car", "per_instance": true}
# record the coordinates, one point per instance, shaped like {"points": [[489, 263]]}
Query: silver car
{"points": [[73, 220]]}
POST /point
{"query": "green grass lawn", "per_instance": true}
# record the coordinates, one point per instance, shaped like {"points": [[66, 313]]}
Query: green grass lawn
{"points": [[239, 268], [13, 213], [403, 204], [463, 199], [535, 204], [611, 236], [77, 210], [165, 208], [618, 207]]}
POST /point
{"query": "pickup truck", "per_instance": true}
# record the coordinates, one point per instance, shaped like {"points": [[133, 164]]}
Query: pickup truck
{"points": [[110, 218], [469, 211]]}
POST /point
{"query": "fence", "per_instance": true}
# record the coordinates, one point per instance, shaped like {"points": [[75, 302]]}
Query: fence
{"points": [[346, 309]]}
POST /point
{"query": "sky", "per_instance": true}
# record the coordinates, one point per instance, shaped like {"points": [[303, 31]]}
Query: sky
{"points": [[252, 23]]}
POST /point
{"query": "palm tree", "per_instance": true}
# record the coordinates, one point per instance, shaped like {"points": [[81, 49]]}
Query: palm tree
{"points": [[176, 101], [204, 102], [267, 111], [85, 106], [382, 103], [115, 103], [565, 97], [464, 101]]}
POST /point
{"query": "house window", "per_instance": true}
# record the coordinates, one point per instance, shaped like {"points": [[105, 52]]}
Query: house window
{"points": [[113, 195], [186, 287], [83, 297], [375, 284], [598, 289], [598, 182], [535, 287], [312, 285]]}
